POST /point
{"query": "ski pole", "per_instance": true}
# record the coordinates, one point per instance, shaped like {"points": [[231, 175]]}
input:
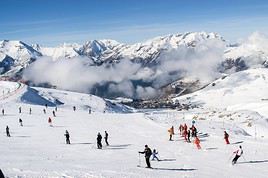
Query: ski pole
{"points": [[139, 159]]}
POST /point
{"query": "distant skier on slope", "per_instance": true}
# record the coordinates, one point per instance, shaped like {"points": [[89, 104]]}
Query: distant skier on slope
{"points": [[106, 138], [197, 143], [147, 152], [54, 113], [99, 138], [30, 111], [226, 137], [3, 112], [50, 122], [74, 108], [20, 121], [44, 110], [67, 135], [188, 136], [154, 155], [7, 131], [171, 132], [237, 153], [19, 109]]}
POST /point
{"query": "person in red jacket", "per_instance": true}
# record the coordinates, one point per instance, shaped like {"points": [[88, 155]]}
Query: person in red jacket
{"points": [[50, 121], [226, 137], [197, 143]]}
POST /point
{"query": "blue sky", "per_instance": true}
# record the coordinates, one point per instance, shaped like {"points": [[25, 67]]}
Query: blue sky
{"points": [[52, 22]]}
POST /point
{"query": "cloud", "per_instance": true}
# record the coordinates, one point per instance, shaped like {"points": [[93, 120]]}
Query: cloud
{"points": [[128, 78]]}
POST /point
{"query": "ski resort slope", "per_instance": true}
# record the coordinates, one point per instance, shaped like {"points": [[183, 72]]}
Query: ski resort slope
{"points": [[242, 90], [39, 150], [20, 95]]}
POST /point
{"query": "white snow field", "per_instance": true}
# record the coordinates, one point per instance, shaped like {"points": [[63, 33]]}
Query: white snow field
{"points": [[38, 150]]}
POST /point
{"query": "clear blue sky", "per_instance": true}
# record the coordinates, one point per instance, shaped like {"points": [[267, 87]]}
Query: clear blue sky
{"points": [[51, 22]]}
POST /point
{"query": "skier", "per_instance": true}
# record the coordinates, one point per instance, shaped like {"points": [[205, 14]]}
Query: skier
{"points": [[20, 121], [7, 131], [154, 155], [197, 143], [50, 122], [19, 109], [46, 105], [44, 110], [67, 135], [171, 132], [181, 129], [74, 108], [89, 110], [226, 137], [99, 137], [148, 152], [3, 112], [30, 111], [237, 153], [106, 138], [56, 109], [194, 131], [54, 114], [188, 136]]}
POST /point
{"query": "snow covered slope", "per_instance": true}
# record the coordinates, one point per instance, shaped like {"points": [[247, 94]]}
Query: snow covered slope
{"points": [[237, 90], [22, 94]]}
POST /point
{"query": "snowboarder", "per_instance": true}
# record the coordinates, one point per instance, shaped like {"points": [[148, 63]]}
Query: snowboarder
{"points": [[30, 111], [54, 114], [74, 108], [148, 152], [67, 135], [3, 112], [197, 143], [226, 137], [20, 121], [106, 138], [19, 109], [237, 153], [50, 122], [7, 131], [44, 110], [99, 137], [154, 155]]}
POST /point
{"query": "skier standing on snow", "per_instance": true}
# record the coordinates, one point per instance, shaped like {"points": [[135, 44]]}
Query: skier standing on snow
{"points": [[3, 112], [106, 138], [54, 114], [197, 143], [67, 135], [154, 155], [74, 108], [44, 110], [30, 111], [20, 121], [56, 109], [19, 109], [181, 129], [89, 110], [226, 137], [50, 122], [7, 131], [171, 132], [99, 137], [148, 152], [188, 136], [237, 153]]}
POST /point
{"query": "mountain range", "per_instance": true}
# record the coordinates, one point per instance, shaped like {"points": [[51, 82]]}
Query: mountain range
{"points": [[153, 54]]}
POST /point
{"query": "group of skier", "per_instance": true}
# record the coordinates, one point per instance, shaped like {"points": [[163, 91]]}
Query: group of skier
{"points": [[184, 131]]}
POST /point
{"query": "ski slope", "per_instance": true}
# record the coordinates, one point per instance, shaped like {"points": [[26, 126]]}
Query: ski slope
{"points": [[38, 150]]}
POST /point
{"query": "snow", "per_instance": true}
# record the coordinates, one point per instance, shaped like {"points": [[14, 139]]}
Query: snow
{"points": [[38, 150]]}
